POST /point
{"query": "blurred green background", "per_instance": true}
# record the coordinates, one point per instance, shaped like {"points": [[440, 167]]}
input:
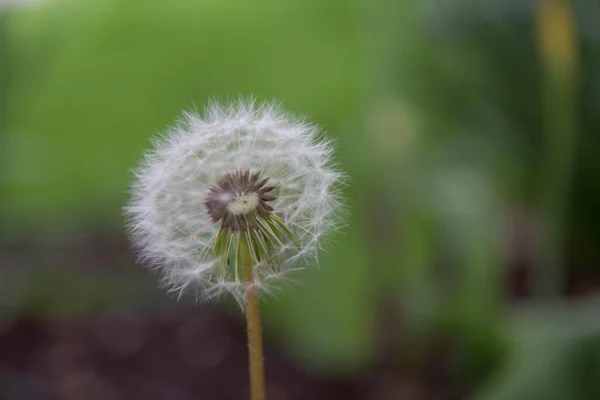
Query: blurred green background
{"points": [[468, 267]]}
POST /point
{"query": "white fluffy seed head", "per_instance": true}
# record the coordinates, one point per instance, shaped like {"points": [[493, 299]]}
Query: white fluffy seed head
{"points": [[167, 215]]}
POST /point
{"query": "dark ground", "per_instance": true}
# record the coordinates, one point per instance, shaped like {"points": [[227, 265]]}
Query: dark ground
{"points": [[185, 352]]}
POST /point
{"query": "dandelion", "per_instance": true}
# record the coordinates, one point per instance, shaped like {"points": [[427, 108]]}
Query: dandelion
{"points": [[233, 202]]}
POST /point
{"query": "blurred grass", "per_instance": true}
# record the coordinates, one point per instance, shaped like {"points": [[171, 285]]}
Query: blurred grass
{"points": [[92, 82]]}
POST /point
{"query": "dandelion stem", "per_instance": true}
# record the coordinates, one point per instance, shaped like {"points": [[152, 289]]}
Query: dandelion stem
{"points": [[253, 326]]}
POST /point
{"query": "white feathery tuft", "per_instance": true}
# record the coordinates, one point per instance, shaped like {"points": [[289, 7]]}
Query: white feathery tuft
{"points": [[169, 223]]}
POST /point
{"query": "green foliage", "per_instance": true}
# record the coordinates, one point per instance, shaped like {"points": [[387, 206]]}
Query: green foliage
{"points": [[555, 355], [476, 81], [477, 74], [92, 82]]}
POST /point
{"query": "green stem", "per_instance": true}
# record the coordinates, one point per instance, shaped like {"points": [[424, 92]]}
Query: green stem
{"points": [[4, 69], [557, 43], [4, 78], [253, 327]]}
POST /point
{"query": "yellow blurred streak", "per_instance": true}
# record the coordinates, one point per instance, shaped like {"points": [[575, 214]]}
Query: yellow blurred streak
{"points": [[556, 36]]}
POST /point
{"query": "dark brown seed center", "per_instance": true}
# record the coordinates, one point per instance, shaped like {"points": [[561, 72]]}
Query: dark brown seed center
{"points": [[238, 199]]}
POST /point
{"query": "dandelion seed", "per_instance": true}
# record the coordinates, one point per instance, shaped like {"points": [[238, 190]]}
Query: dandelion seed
{"points": [[243, 175]]}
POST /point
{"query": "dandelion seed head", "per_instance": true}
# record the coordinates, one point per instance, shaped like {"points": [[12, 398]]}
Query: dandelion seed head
{"points": [[243, 173]]}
